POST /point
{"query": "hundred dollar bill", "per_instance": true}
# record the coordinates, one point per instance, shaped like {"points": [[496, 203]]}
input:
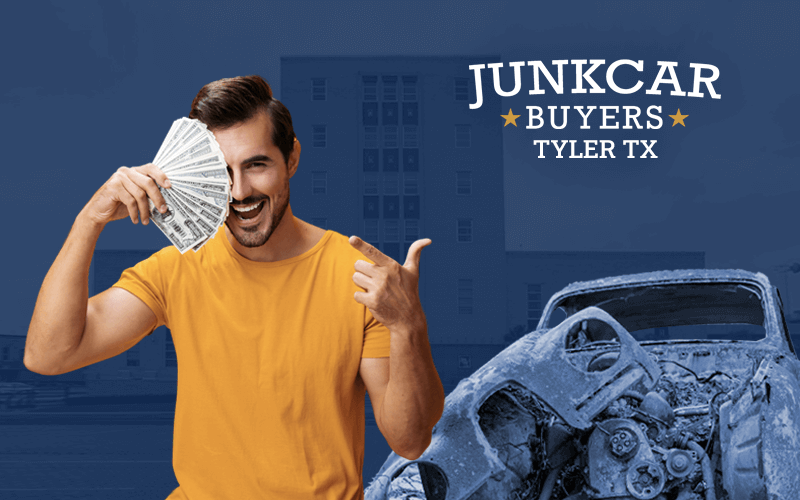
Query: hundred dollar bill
{"points": [[212, 175], [213, 214], [174, 227], [205, 186], [193, 132], [206, 145], [166, 140], [205, 227], [214, 160], [216, 206], [220, 184], [179, 126]]}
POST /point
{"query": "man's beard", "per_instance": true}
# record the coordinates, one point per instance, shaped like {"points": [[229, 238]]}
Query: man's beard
{"points": [[252, 237]]}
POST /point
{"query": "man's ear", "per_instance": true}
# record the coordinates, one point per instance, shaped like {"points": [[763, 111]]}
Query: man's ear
{"points": [[294, 158]]}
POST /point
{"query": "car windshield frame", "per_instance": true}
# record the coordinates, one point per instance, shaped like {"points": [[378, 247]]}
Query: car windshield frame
{"points": [[673, 304]]}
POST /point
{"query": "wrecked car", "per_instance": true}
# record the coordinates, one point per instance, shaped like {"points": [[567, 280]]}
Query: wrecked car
{"points": [[672, 385]]}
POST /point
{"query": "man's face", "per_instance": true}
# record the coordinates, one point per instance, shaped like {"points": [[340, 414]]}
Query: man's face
{"points": [[260, 179]]}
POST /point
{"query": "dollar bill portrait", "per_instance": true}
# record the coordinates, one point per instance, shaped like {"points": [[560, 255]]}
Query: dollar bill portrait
{"points": [[280, 327]]}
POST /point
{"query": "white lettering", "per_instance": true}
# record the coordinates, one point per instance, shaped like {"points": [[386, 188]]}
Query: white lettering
{"points": [[707, 80], [531, 116], [655, 117], [630, 147], [541, 144], [580, 76], [559, 149], [586, 116], [589, 149], [553, 117], [496, 77], [478, 88], [673, 79], [538, 66], [639, 65], [607, 117], [629, 116]]}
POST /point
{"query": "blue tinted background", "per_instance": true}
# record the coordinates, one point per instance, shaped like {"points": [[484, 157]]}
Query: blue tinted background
{"points": [[89, 86]]}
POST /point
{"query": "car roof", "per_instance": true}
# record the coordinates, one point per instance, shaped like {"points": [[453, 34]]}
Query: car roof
{"points": [[667, 277], [682, 276]]}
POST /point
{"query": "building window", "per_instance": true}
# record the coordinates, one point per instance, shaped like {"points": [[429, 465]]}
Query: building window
{"points": [[320, 222], [463, 136], [390, 137], [132, 356], [534, 305], [372, 207], [370, 88], [370, 159], [371, 231], [391, 184], [371, 137], [410, 113], [319, 182], [412, 230], [389, 88], [464, 183], [464, 230], [318, 89], [464, 362], [391, 207], [461, 89], [409, 88], [410, 183], [369, 115], [318, 136], [6, 353], [371, 183], [391, 160], [170, 357], [410, 137], [464, 296], [411, 159], [391, 231]]}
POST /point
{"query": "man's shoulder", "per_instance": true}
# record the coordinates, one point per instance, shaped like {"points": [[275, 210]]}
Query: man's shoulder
{"points": [[340, 248]]}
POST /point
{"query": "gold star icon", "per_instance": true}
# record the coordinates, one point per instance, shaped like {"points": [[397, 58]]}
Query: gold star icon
{"points": [[510, 118], [678, 118]]}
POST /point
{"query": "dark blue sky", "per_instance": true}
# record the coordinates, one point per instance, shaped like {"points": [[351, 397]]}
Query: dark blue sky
{"points": [[90, 86]]}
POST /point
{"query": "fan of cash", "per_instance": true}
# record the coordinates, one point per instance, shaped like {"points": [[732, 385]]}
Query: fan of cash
{"points": [[197, 203]]}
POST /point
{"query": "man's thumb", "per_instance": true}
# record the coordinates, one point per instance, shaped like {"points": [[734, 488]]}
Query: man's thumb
{"points": [[414, 251]]}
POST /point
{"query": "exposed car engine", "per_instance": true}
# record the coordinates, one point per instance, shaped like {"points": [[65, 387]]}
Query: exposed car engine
{"points": [[662, 444]]}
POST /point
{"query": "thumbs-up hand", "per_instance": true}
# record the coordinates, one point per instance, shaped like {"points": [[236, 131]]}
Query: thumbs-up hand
{"points": [[391, 290]]}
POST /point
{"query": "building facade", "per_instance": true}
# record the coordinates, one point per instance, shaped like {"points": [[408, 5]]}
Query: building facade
{"points": [[390, 154]]}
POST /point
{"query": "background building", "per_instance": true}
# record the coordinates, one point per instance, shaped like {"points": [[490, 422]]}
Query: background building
{"points": [[388, 154]]}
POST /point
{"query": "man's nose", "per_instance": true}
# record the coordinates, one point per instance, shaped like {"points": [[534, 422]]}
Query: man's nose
{"points": [[240, 188]]}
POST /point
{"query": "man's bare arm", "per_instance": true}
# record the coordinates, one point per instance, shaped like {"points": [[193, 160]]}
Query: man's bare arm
{"points": [[68, 330], [405, 390]]}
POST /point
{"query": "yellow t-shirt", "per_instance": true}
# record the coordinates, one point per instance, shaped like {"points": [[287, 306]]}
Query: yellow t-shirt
{"points": [[270, 403]]}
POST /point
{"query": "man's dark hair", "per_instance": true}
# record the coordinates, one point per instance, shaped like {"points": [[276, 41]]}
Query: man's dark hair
{"points": [[224, 103]]}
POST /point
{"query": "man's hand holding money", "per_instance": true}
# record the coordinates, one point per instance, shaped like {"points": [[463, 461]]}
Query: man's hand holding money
{"points": [[126, 193]]}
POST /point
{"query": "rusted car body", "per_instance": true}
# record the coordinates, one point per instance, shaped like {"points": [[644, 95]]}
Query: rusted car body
{"points": [[604, 405]]}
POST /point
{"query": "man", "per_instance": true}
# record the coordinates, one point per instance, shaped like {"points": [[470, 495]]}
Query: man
{"points": [[277, 337]]}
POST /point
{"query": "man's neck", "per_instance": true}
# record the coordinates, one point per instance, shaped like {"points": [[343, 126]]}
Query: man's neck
{"points": [[291, 238]]}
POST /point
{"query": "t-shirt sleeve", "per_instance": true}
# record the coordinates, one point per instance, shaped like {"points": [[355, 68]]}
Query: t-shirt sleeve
{"points": [[376, 338], [146, 280]]}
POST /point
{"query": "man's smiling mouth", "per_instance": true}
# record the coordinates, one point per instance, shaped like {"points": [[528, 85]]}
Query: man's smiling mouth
{"points": [[245, 212]]}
